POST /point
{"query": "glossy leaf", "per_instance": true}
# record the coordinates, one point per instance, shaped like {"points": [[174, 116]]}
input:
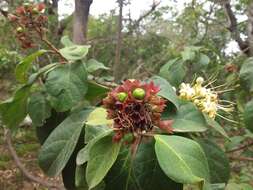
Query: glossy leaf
{"points": [[189, 119], [22, 68], [66, 85], [61, 143], [182, 159], [14, 110], [217, 160], [142, 172], [102, 156], [166, 91]]}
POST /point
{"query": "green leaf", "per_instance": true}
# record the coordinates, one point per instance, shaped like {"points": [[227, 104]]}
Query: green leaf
{"points": [[95, 91], [66, 41], [22, 68], [74, 52], [248, 115], [188, 54], [174, 71], [216, 126], [66, 86], [189, 119], [182, 159], [98, 117], [204, 60], [40, 72], [236, 186], [102, 154], [14, 110], [60, 144], [92, 135], [246, 74], [38, 108], [93, 65], [217, 161], [92, 132], [166, 91], [141, 173]]}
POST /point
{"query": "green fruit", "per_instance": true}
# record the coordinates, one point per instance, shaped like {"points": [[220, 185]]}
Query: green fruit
{"points": [[139, 93], [35, 11], [20, 29], [26, 5], [122, 96]]}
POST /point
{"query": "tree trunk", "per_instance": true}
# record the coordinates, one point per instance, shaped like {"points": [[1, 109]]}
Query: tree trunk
{"points": [[117, 65], [81, 15], [250, 29]]}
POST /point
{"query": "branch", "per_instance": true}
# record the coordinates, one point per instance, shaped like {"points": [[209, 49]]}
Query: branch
{"points": [[232, 27], [138, 21], [21, 167], [240, 148], [241, 158]]}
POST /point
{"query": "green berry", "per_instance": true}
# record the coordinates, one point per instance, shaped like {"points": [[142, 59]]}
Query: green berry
{"points": [[35, 11], [122, 96], [20, 29], [139, 93], [26, 5]]}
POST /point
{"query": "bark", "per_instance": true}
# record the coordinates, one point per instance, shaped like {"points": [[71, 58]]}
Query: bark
{"points": [[232, 27], [117, 65], [81, 15], [250, 29]]}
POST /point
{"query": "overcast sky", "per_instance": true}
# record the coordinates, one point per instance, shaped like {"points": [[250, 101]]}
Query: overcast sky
{"points": [[137, 8]]}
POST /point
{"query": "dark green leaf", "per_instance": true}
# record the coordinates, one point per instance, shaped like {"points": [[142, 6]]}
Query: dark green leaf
{"points": [[38, 108], [216, 126], [217, 161], [95, 91], [189, 119], [248, 115], [61, 143], [102, 156], [204, 60], [182, 159], [67, 86], [174, 71], [93, 65], [246, 74], [166, 91], [143, 172], [23, 67], [74, 52], [14, 110], [92, 135]]}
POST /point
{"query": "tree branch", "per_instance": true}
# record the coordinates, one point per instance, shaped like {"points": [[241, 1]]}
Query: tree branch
{"points": [[138, 21], [21, 167], [241, 147], [232, 26]]}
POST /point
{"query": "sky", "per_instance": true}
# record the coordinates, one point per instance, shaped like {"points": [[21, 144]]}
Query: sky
{"points": [[137, 7]]}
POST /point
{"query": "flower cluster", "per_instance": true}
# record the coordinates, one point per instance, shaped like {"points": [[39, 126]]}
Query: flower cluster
{"points": [[206, 99], [29, 21], [135, 108]]}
